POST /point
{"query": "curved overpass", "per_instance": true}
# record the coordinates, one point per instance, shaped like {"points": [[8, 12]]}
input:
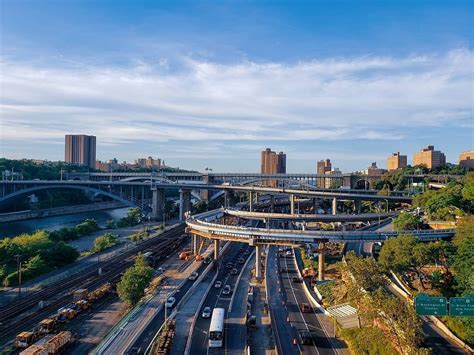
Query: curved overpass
{"points": [[364, 217], [204, 225]]}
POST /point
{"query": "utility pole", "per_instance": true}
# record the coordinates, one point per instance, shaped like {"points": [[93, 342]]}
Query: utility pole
{"points": [[18, 270]]}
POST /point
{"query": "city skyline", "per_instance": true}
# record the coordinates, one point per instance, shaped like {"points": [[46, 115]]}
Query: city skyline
{"points": [[307, 80]]}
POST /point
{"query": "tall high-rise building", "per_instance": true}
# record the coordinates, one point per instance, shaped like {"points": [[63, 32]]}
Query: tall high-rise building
{"points": [[323, 167], [429, 157], [272, 163], [466, 159], [80, 149], [396, 161]]}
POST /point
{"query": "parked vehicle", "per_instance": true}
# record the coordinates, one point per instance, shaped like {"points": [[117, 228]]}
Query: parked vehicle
{"points": [[252, 322]]}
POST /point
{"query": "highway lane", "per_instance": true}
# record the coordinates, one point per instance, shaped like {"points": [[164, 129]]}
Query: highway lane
{"points": [[215, 298], [295, 295], [284, 332], [236, 326]]}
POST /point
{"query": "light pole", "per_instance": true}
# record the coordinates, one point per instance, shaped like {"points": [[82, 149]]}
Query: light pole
{"points": [[18, 266]]}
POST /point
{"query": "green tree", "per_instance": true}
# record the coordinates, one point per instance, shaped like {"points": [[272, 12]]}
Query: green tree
{"points": [[402, 323], [104, 241], [366, 272], [406, 221], [131, 287]]}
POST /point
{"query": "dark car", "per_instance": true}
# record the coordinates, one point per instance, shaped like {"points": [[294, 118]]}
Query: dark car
{"points": [[305, 337], [229, 265], [234, 271], [297, 280]]}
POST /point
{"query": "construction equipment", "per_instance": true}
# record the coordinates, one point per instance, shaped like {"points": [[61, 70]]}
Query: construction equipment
{"points": [[185, 254], [66, 314], [47, 325], [25, 339], [50, 344], [80, 294]]}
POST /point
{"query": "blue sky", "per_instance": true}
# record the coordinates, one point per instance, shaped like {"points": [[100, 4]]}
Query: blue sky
{"points": [[210, 84]]}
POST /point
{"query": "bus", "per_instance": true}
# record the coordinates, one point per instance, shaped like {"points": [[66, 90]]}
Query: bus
{"points": [[216, 329]]}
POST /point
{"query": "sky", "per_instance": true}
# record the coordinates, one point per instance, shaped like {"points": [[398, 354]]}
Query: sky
{"points": [[212, 83]]}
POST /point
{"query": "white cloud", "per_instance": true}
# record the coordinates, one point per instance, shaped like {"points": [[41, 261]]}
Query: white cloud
{"points": [[360, 98]]}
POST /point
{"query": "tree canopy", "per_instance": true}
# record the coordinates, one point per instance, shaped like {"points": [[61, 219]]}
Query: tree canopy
{"points": [[131, 287]]}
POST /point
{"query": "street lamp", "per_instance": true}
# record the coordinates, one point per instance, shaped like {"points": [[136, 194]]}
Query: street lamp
{"points": [[18, 266]]}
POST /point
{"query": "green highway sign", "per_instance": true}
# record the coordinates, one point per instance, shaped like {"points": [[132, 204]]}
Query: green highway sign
{"points": [[431, 306], [461, 306]]}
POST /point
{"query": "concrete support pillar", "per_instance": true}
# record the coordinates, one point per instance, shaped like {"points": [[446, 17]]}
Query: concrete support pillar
{"points": [[158, 204], [226, 198], [334, 206], [184, 203], [258, 262], [321, 261], [357, 206], [315, 205], [272, 203], [292, 204], [251, 201], [216, 250], [196, 241]]}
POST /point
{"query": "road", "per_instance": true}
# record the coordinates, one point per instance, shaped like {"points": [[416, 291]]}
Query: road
{"points": [[293, 295], [138, 330], [235, 344], [215, 298]]}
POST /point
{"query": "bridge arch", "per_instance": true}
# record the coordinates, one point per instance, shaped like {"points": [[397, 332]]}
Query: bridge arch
{"points": [[4, 200]]}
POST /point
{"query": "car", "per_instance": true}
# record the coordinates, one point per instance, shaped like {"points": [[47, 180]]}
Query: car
{"points": [[193, 276], [229, 265], [218, 284], [305, 337], [206, 312], [234, 271], [227, 290], [296, 280], [170, 302], [252, 322], [207, 260], [241, 260], [289, 253], [305, 308], [281, 249]]}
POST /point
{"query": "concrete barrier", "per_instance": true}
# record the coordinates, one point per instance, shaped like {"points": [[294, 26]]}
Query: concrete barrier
{"points": [[238, 281], [307, 291]]}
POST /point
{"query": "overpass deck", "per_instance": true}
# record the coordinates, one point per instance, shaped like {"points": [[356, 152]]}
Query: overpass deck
{"points": [[204, 225], [364, 217]]}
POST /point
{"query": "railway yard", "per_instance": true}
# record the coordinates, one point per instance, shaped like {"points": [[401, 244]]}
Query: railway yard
{"points": [[85, 297]]}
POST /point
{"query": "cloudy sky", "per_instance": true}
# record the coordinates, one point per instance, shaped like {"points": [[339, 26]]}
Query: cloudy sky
{"points": [[210, 84]]}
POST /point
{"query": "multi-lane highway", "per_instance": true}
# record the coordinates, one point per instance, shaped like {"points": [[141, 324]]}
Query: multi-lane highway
{"points": [[216, 298], [286, 297]]}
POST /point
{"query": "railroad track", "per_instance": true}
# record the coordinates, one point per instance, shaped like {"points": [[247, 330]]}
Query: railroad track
{"points": [[60, 294]]}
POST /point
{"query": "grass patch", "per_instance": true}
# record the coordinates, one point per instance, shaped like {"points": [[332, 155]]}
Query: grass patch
{"points": [[368, 340]]}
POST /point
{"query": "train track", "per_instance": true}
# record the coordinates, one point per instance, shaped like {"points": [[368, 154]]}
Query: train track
{"points": [[59, 294]]}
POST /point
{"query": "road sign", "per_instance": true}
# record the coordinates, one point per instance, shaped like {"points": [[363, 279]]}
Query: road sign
{"points": [[431, 306], [461, 306]]}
